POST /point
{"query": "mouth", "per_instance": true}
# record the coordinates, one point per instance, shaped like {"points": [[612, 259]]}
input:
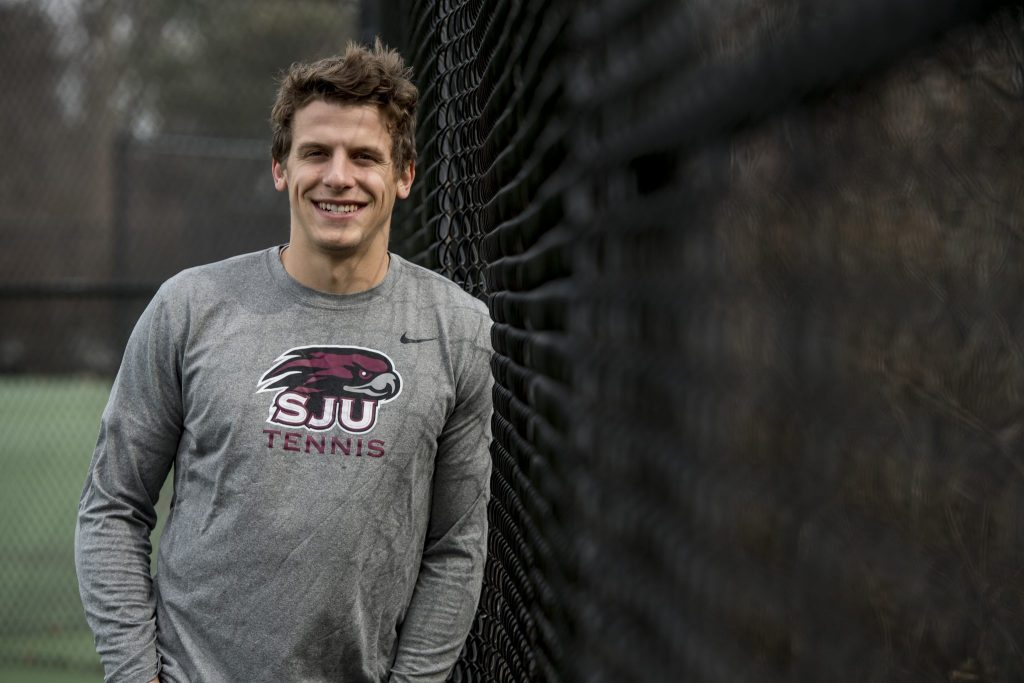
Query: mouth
{"points": [[337, 208]]}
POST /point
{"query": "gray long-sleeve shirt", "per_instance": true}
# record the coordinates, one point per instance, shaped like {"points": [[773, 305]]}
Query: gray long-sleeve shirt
{"points": [[331, 476]]}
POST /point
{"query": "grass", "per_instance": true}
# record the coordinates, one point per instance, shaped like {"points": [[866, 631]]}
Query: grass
{"points": [[50, 675], [49, 427]]}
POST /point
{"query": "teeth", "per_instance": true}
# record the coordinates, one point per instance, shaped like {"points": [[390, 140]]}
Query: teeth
{"points": [[337, 208]]}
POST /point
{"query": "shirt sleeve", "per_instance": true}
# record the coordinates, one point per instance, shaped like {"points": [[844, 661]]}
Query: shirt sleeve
{"points": [[447, 590], [138, 439]]}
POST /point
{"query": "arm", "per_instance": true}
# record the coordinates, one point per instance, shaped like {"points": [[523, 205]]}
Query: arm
{"points": [[448, 588], [139, 434]]}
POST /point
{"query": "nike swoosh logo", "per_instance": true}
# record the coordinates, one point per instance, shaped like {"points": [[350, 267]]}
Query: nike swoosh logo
{"points": [[410, 340]]}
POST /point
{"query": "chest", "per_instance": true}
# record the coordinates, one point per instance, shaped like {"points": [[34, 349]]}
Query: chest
{"points": [[316, 385]]}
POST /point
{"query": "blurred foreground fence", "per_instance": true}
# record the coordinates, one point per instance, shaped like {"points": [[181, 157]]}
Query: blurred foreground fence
{"points": [[755, 270]]}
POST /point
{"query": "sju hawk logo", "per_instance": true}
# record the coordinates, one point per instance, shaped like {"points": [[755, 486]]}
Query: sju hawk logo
{"points": [[320, 386]]}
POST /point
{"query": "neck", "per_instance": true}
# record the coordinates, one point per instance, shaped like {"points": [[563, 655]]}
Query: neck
{"points": [[332, 274]]}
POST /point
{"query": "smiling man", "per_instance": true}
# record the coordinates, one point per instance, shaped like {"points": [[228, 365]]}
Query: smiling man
{"points": [[325, 406], [342, 179]]}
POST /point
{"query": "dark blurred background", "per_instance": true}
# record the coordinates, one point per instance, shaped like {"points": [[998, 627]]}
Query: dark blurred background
{"points": [[136, 138]]}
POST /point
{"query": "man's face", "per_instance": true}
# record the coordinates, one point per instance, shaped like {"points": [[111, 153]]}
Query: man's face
{"points": [[341, 181]]}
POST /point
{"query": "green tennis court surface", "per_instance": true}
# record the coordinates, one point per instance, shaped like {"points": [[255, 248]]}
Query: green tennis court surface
{"points": [[33, 675], [49, 428]]}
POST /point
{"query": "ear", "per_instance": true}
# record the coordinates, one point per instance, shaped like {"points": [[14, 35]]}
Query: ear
{"points": [[405, 179], [280, 176]]}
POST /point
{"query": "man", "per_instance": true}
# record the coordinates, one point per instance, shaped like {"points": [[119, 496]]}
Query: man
{"points": [[326, 408]]}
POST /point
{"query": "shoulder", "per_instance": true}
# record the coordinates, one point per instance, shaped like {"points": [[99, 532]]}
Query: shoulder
{"points": [[462, 321], [434, 288], [212, 283], [234, 271], [202, 290]]}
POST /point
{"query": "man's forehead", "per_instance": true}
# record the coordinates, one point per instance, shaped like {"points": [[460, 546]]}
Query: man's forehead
{"points": [[319, 117]]}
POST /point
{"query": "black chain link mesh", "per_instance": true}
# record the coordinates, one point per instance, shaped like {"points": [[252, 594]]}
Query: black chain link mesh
{"points": [[754, 270]]}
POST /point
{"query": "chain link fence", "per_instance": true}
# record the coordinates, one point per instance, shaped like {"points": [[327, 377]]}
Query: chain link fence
{"points": [[754, 270], [137, 143]]}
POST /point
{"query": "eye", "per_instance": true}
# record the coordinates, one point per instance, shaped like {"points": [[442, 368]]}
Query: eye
{"points": [[364, 374], [312, 152], [365, 157]]}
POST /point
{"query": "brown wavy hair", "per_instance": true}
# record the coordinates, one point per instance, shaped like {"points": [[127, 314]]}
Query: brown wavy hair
{"points": [[362, 75]]}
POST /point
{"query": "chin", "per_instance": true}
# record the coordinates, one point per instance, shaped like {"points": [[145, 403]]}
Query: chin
{"points": [[340, 248], [338, 240]]}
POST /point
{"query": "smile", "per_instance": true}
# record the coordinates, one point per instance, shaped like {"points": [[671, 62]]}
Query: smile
{"points": [[338, 208]]}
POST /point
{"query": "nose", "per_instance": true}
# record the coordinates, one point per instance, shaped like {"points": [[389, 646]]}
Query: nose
{"points": [[339, 174]]}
